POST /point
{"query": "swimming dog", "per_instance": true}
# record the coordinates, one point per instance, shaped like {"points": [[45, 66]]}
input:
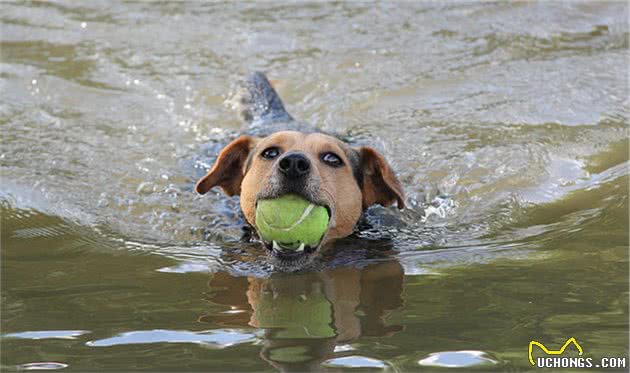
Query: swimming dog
{"points": [[280, 155]]}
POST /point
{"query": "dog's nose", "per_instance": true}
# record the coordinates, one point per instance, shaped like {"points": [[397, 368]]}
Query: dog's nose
{"points": [[294, 165]]}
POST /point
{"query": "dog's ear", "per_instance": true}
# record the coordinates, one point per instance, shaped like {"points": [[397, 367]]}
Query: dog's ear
{"points": [[228, 170], [380, 184]]}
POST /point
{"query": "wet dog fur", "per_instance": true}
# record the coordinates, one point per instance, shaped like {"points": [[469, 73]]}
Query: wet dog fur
{"points": [[280, 155]]}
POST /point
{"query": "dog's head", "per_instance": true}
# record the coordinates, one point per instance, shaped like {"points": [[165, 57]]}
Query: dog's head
{"points": [[318, 167]]}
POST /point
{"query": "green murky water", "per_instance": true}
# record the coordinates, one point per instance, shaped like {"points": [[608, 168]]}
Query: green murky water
{"points": [[507, 124]]}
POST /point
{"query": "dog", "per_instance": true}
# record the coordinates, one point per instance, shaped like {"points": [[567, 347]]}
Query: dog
{"points": [[280, 155]]}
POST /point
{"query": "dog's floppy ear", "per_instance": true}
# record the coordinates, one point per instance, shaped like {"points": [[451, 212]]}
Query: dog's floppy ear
{"points": [[380, 184], [228, 170]]}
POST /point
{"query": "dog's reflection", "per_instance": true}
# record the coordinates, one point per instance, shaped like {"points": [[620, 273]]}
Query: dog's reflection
{"points": [[306, 315]]}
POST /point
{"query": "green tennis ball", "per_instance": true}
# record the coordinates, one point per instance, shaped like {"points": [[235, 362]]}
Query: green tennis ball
{"points": [[291, 220]]}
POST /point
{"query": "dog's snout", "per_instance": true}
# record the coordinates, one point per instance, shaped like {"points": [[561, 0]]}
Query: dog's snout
{"points": [[294, 165]]}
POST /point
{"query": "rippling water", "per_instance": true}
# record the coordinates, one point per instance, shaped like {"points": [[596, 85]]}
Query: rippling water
{"points": [[507, 124]]}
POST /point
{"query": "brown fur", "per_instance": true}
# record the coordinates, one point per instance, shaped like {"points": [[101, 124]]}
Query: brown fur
{"points": [[240, 170]]}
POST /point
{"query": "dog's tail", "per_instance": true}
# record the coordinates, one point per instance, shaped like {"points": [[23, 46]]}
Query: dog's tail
{"points": [[260, 103]]}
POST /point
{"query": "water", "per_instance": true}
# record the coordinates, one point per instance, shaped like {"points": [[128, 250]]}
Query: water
{"points": [[507, 124]]}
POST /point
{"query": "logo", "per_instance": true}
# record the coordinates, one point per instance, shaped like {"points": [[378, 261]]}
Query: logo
{"points": [[553, 352], [555, 361]]}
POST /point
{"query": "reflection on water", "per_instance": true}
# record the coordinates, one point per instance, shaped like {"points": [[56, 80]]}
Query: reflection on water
{"points": [[355, 362], [50, 365], [211, 338], [507, 124], [306, 316], [456, 359], [62, 334]]}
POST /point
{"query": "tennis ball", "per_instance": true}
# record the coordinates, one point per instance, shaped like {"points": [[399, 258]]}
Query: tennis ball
{"points": [[291, 220]]}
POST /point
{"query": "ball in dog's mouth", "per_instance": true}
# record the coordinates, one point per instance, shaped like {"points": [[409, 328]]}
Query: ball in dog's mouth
{"points": [[291, 226], [281, 251]]}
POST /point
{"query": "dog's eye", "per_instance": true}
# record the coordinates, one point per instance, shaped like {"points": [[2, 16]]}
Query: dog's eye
{"points": [[270, 153], [332, 159]]}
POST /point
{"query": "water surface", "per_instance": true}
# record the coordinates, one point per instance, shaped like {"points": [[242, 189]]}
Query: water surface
{"points": [[507, 124]]}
